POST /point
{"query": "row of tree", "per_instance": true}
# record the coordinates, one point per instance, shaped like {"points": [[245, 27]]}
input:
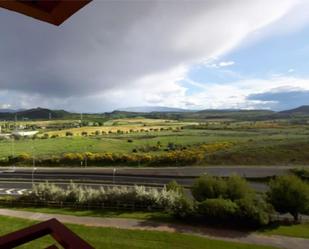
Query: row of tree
{"points": [[186, 157], [78, 196], [173, 154], [234, 199], [219, 200]]}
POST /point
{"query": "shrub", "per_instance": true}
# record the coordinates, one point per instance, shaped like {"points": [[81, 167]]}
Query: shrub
{"points": [[237, 188], [182, 208], [254, 211], [301, 173], [207, 187], [23, 157], [45, 192], [69, 134], [74, 193], [289, 194], [170, 201], [174, 186], [218, 209], [45, 136]]}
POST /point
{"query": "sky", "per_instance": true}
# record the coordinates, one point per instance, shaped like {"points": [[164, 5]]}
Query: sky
{"points": [[211, 54]]}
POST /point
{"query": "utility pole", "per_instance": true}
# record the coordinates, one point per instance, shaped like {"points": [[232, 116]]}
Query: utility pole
{"points": [[15, 123], [114, 174], [33, 161], [33, 170]]}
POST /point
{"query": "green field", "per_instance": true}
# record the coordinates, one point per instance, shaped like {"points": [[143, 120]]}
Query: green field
{"points": [[142, 215], [111, 238], [294, 230], [251, 143]]}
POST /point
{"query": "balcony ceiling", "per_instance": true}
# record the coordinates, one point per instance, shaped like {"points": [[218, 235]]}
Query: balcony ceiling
{"points": [[51, 11]]}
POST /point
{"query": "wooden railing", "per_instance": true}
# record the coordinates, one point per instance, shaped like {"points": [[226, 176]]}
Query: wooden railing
{"points": [[64, 236]]}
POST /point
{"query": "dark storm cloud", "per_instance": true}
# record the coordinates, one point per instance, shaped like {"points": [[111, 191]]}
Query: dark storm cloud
{"points": [[283, 100], [104, 45]]}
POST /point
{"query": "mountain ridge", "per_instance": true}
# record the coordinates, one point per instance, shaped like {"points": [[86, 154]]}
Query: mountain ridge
{"points": [[143, 109], [160, 112], [304, 109]]}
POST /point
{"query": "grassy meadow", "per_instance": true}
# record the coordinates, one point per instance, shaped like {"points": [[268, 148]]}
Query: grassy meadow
{"points": [[248, 142], [112, 238], [292, 230]]}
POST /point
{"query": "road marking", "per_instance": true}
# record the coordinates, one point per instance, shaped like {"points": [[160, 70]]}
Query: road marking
{"points": [[9, 191], [13, 191], [21, 192]]}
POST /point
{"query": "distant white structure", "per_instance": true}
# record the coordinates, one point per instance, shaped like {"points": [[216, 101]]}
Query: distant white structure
{"points": [[24, 133], [5, 135]]}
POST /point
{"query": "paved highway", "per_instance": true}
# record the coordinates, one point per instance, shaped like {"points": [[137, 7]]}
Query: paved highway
{"points": [[19, 180], [246, 171]]}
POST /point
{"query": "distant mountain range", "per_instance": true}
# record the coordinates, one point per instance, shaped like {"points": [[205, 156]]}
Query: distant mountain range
{"points": [[35, 113], [302, 110], [154, 112], [10, 110], [153, 109]]}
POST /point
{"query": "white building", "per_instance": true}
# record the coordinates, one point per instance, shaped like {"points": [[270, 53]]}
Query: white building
{"points": [[24, 133]]}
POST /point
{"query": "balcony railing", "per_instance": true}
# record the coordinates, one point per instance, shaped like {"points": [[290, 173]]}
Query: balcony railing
{"points": [[64, 236]]}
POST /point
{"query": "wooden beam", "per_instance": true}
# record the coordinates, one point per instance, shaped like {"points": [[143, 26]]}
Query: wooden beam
{"points": [[62, 11], [58, 231]]}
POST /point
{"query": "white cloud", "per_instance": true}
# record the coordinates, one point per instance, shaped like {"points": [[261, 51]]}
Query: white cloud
{"points": [[235, 94], [220, 64], [114, 54], [226, 63], [5, 106]]}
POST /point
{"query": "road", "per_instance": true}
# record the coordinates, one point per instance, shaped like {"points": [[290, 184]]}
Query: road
{"points": [[14, 181]]}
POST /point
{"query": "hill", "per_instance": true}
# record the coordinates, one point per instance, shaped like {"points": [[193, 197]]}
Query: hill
{"points": [[157, 113], [147, 109], [35, 114], [302, 110], [233, 114], [7, 110]]}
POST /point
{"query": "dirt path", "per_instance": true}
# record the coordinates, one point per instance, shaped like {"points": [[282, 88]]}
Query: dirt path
{"points": [[220, 234]]}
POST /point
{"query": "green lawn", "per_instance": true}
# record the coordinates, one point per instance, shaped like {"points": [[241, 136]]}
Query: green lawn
{"points": [[111, 238], [158, 216], [299, 230], [251, 146]]}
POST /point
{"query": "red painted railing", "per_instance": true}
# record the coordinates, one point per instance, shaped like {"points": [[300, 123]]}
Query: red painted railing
{"points": [[64, 236]]}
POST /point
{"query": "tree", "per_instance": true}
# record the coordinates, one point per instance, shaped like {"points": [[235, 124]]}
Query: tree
{"points": [[69, 134], [24, 157], [207, 187], [45, 136], [237, 188], [218, 209], [182, 208], [174, 186], [289, 194], [254, 210]]}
